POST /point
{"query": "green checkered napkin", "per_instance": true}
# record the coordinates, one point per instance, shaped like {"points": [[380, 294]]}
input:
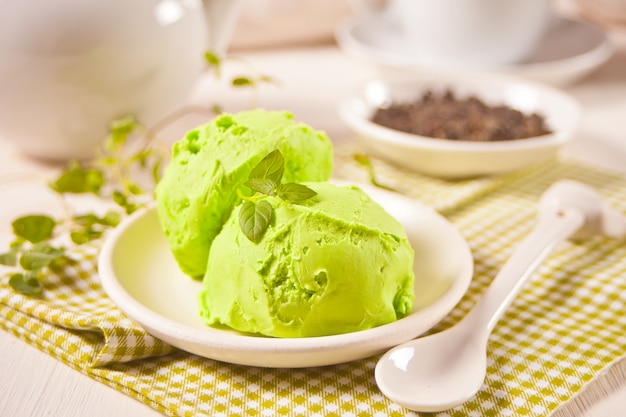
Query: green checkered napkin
{"points": [[566, 326]]}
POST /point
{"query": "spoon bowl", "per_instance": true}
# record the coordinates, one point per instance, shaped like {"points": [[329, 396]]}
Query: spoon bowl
{"points": [[446, 369], [462, 348]]}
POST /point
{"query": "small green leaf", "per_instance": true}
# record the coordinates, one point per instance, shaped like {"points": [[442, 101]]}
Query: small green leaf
{"points": [[108, 160], [34, 228], [217, 109], [242, 82], [86, 220], [111, 218], [26, 284], [122, 200], [40, 256], [261, 185], [271, 167], [156, 171], [142, 157], [9, 258], [76, 179], [213, 61], [120, 129], [83, 236], [134, 188], [254, 218], [294, 192]]}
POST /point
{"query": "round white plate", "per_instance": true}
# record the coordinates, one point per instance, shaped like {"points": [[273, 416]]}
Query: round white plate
{"points": [[140, 275], [569, 51]]}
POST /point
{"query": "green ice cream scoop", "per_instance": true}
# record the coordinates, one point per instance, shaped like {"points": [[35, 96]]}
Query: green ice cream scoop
{"points": [[199, 187], [335, 263]]}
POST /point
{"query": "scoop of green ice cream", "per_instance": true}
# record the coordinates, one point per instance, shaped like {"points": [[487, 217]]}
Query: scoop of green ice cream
{"points": [[199, 187], [335, 263]]}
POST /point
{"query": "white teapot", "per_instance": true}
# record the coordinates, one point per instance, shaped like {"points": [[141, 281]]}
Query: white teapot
{"points": [[70, 67]]}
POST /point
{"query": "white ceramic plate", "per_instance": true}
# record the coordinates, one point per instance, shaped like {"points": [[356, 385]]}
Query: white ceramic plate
{"points": [[569, 51], [461, 158], [141, 277]]}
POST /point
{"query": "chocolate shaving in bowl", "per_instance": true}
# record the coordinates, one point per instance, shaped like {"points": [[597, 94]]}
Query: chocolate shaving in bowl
{"points": [[446, 117]]}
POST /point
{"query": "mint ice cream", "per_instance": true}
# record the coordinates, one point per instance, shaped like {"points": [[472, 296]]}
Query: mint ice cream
{"points": [[335, 263], [199, 187]]}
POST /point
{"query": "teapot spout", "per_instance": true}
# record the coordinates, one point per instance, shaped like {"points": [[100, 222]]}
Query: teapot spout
{"points": [[221, 18]]}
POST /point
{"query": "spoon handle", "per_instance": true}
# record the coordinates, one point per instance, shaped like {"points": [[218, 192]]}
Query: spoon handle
{"points": [[552, 228]]}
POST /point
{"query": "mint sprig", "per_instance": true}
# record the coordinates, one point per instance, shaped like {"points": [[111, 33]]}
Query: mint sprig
{"points": [[254, 218], [26, 283], [35, 248], [252, 81], [255, 214]]}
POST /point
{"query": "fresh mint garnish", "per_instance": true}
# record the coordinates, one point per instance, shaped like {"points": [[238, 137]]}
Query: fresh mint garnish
{"points": [[294, 192], [254, 218], [261, 185], [34, 228], [270, 168], [108, 176], [9, 258], [40, 256], [78, 179], [214, 61], [252, 81], [27, 284], [265, 179]]}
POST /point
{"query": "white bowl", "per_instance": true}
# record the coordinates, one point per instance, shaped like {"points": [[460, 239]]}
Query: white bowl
{"points": [[460, 158], [141, 276]]}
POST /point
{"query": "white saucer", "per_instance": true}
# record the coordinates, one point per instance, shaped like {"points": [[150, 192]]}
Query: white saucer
{"points": [[569, 51], [141, 276]]}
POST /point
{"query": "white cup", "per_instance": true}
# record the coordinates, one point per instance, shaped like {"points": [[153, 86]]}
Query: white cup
{"points": [[470, 33], [68, 68]]}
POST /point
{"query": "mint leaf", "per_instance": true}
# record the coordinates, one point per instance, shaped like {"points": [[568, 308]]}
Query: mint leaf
{"points": [[254, 218], [40, 256], [261, 185], [270, 168], [34, 228], [134, 188], [121, 200], [294, 192], [26, 284], [9, 258], [142, 157], [156, 171], [76, 179], [120, 129], [111, 218], [213, 61], [83, 236], [241, 82]]}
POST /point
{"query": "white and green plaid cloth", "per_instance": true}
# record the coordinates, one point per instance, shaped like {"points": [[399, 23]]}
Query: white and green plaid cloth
{"points": [[566, 326]]}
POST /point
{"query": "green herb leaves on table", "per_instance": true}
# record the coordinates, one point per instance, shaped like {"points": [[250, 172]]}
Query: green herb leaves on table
{"points": [[255, 214], [36, 247]]}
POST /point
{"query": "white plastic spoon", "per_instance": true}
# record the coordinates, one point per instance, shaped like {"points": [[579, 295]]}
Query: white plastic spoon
{"points": [[443, 370]]}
